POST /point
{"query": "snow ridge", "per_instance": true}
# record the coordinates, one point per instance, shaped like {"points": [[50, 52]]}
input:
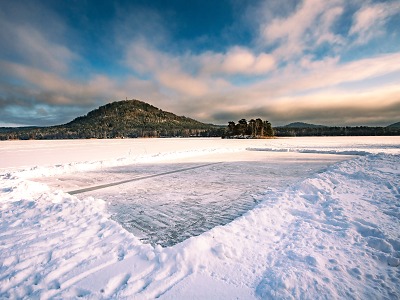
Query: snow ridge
{"points": [[343, 239]]}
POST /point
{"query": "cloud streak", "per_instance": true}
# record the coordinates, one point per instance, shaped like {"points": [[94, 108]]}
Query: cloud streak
{"points": [[370, 20], [308, 27]]}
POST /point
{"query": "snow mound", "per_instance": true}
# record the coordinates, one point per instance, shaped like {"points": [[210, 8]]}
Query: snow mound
{"points": [[342, 240]]}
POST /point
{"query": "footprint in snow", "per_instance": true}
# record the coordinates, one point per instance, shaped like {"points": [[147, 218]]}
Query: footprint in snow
{"points": [[115, 284]]}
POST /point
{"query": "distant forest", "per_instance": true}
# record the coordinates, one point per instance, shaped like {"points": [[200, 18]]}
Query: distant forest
{"points": [[337, 131]]}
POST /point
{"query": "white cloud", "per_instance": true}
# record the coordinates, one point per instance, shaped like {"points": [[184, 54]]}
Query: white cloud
{"points": [[140, 57], [306, 28], [370, 20], [236, 61], [195, 75], [182, 83], [327, 74], [167, 70]]}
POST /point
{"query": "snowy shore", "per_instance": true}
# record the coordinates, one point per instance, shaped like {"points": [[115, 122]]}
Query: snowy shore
{"points": [[331, 235]]}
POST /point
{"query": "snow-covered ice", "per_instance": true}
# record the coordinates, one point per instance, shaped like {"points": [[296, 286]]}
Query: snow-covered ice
{"points": [[323, 226]]}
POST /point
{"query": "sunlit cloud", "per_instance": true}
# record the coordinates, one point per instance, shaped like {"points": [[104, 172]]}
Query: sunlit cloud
{"points": [[370, 20], [306, 28], [328, 73], [51, 88], [183, 83], [236, 61]]}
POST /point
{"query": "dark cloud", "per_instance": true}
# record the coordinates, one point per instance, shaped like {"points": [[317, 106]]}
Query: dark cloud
{"points": [[35, 36], [31, 113], [225, 117]]}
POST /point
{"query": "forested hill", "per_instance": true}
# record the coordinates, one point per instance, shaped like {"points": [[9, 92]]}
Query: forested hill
{"points": [[134, 118], [128, 118]]}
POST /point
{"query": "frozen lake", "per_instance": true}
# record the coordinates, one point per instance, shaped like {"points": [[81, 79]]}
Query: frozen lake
{"points": [[168, 202], [327, 222]]}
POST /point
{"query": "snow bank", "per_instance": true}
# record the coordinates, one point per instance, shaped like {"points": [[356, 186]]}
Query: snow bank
{"points": [[342, 240], [333, 235]]}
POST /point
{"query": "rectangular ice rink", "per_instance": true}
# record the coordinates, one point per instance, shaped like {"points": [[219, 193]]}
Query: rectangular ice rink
{"points": [[168, 202]]}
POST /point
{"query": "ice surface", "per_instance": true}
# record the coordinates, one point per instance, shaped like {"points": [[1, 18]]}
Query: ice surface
{"points": [[168, 209], [333, 234]]}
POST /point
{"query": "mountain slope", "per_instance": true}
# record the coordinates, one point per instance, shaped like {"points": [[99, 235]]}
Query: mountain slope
{"points": [[395, 125]]}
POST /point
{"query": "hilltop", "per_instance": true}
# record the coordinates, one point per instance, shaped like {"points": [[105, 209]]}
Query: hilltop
{"points": [[134, 118], [303, 125]]}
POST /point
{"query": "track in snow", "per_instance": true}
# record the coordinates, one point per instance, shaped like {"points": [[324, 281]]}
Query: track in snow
{"points": [[103, 186]]}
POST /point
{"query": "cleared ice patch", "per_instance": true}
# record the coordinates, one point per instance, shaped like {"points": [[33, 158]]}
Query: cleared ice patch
{"points": [[166, 203]]}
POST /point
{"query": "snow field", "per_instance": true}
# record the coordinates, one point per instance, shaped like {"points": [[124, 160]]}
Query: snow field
{"points": [[332, 235]]}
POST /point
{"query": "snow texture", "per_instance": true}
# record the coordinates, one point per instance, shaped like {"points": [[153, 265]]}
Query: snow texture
{"points": [[332, 233]]}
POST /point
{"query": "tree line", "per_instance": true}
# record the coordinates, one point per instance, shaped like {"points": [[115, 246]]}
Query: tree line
{"points": [[337, 131], [90, 132], [252, 129]]}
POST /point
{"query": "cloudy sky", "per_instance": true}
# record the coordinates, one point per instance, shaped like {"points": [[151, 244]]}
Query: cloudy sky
{"points": [[333, 62]]}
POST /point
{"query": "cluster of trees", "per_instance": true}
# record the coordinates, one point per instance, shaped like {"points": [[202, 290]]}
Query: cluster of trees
{"points": [[253, 129]]}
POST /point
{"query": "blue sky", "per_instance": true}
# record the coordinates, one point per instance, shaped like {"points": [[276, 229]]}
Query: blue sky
{"points": [[331, 62]]}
